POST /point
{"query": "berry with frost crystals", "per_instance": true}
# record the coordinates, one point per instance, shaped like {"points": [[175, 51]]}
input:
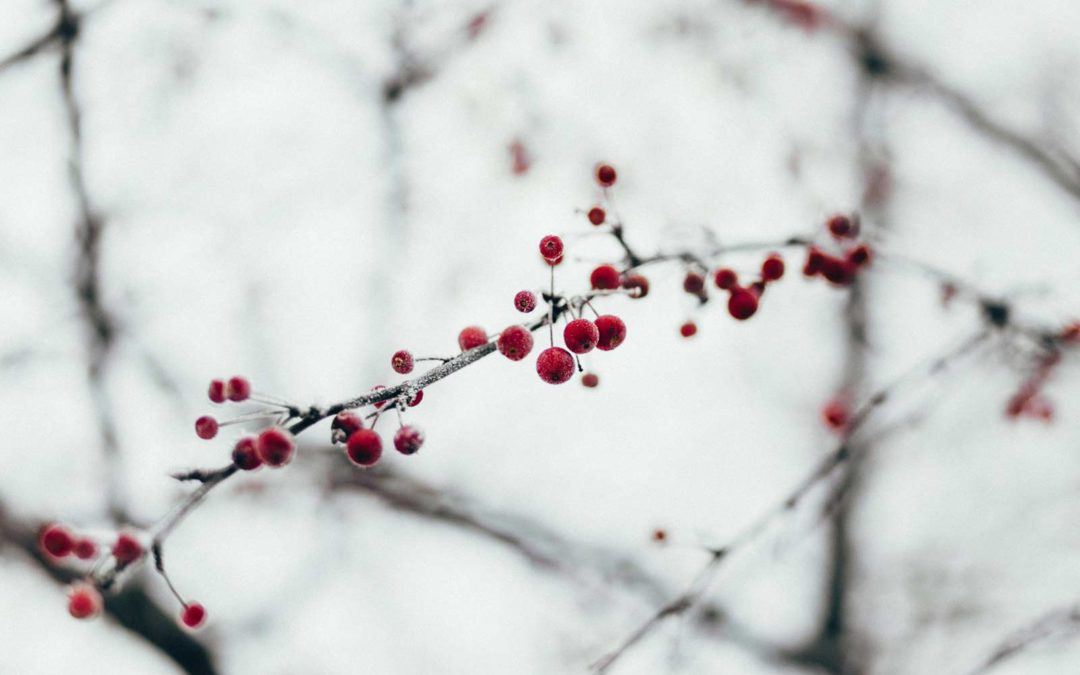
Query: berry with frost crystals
{"points": [[85, 549], [193, 615], [694, 283], [217, 391], [84, 601], [472, 336], [773, 268], [525, 301], [581, 336], [590, 380], [245, 455], [551, 248], [637, 284], [238, 389], [555, 365], [408, 440], [604, 278], [275, 447], [742, 304], [725, 278], [127, 549], [688, 329], [364, 447], [597, 215], [415, 400], [515, 343], [402, 362], [347, 422], [206, 427], [56, 541], [612, 332], [605, 175], [836, 414]]}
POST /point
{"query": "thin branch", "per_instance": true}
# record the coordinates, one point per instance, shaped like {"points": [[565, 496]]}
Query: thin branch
{"points": [[1064, 622]]}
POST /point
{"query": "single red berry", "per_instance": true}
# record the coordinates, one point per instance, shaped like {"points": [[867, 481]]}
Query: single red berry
{"points": [[275, 447], [217, 391], [56, 541], [238, 389], [688, 329], [860, 256], [597, 215], [206, 427], [84, 601], [364, 447], [402, 362], [841, 226], [470, 337], [773, 267], [347, 422], [525, 301], [379, 404], [612, 332], [581, 336], [637, 284], [551, 248], [836, 414], [605, 175], [815, 259], [85, 549], [694, 283], [193, 615], [659, 536], [417, 397], [127, 549], [590, 380], [725, 278], [515, 342], [604, 278], [408, 440], [837, 271], [555, 365], [742, 304], [245, 454]]}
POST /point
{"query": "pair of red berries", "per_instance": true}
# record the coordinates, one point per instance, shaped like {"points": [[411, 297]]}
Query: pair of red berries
{"points": [[364, 447], [555, 365], [234, 389], [58, 542]]}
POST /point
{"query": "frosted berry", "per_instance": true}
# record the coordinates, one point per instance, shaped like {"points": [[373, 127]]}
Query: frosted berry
{"points": [[238, 389], [206, 427], [551, 248], [555, 365], [612, 332], [347, 422], [85, 549], [590, 380], [688, 329], [742, 304], [515, 343], [408, 440], [245, 454], [470, 337], [604, 278], [637, 284], [216, 391], [84, 601], [605, 175], [859, 256], [193, 615], [581, 336], [364, 447], [836, 414], [415, 400], [773, 268], [694, 283], [376, 388], [402, 362], [127, 549], [597, 215], [525, 301], [56, 541], [841, 226], [556, 261], [725, 278], [275, 447]]}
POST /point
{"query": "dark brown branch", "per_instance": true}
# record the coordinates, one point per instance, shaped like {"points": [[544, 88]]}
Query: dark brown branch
{"points": [[1064, 622]]}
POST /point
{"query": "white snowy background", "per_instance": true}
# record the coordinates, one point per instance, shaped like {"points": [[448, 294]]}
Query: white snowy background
{"points": [[266, 209]]}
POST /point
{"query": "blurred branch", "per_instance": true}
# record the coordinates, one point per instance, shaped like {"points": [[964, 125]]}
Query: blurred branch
{"points": [[1064, 622]]}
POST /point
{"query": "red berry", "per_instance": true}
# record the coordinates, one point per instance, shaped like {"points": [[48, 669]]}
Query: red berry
{"points": [[84, 601], [612, 332], [515, 343], [275, 447], [597, 215], [193, 615], [408, 440], [836, 414], [605, 175], [525, 301], [590, 380], [379, 404], [238, 389], [415, 400], [773, 267], [364, 447], [841, 226], [245, 454], [551, 248], [688, 329], [859, 256], [56, 541], [206, 427], [742, 304], [555, 365], [470, 337], [725, 278], [126, 549], [402, 362], [659, 536], [638, 283], [347, 422], [217, 391], [815, 259], [837, 271], [604, 278], [694, 283], [85, 549], [581, 336]]}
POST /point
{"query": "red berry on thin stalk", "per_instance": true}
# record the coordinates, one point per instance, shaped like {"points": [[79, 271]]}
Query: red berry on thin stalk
{"points": [[84, 601], [525, 301], [590, 380], [742, 304], [637, 284], [193, 615], [127, 549], [612, 332], [605, 175], [245, 454], [597, 216], [238, 389], [56, 541], [515, 343], [216, 392], [470, 337], [555, 365], [604, 278], [725, 278], [408, 440], [688, 329], [364, 448], [275, 447], [581, 336], [772, 268], [551, 248], [402, 362], [206, 427]]}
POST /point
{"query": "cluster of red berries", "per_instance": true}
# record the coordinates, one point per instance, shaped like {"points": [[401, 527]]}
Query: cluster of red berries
{"points": [[363, 446], [743, 300], [236, 389], [841, 269]]}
